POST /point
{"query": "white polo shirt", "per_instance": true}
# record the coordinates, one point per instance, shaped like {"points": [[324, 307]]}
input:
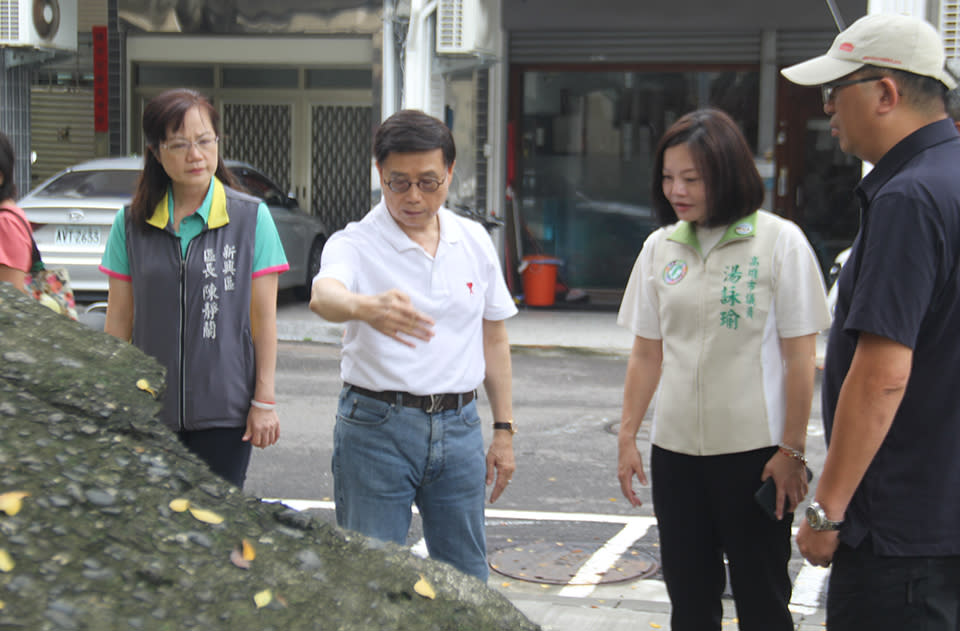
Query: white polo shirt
{"points": [[459, 288]]}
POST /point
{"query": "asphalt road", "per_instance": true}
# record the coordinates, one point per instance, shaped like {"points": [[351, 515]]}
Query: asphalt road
{"points": [[566, 407], [563, 510]]}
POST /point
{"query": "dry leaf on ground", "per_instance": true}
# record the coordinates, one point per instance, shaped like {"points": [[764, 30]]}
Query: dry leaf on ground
{"points": [[6, 562], [12, 501], [424, 588], [206, 516], [262, 599]]}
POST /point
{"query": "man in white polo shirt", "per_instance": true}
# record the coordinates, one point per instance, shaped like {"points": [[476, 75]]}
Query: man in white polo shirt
{"points": [[421, 291]]}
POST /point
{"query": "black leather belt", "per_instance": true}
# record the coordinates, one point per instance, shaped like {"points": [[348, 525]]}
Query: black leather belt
{"points": [[429, 403]]}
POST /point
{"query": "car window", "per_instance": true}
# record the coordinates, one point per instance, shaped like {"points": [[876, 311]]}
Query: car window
{"points": [[259, 186], [83, 184]]}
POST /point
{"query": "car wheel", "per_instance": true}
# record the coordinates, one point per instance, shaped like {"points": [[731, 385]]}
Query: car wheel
{"points": [[313, 266]]}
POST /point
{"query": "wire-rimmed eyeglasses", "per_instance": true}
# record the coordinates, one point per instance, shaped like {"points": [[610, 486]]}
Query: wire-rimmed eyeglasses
{"points": [[181, 146], [827, 90], [426, 185]]}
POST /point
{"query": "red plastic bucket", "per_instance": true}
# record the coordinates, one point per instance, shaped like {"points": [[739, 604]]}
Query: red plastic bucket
{"points": [[539, 280]]}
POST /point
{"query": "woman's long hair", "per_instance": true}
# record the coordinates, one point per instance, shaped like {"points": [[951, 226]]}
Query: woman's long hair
{"points": [[163, 112]]}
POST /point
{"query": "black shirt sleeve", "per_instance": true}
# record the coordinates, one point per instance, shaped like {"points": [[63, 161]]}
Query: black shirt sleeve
{"points": [[898, 269]]}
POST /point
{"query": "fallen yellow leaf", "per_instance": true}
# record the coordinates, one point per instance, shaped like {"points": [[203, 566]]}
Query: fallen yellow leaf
{"points": [[144, 385], [236, 557], [654, 625], [2, 605], [206, 516], [249, 554], [424, 588], [262, 599], [179, 505], [11, 502], [6, 563]]}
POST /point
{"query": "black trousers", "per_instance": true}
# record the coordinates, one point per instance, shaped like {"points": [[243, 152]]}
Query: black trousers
{"points": [[892, 593], [705, 509], [223, 450]]}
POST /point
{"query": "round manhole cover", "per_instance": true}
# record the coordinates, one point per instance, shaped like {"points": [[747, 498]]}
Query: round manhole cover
{"points": [[558, 563]]}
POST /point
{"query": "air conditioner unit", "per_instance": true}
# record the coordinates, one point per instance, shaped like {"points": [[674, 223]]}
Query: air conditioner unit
{"points": [[43, 24], [464, 28]]}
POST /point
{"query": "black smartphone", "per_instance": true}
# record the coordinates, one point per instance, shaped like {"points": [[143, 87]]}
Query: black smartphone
{"points": [[766, 495]]}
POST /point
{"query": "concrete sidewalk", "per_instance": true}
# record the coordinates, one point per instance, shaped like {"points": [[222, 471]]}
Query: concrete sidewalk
{"points": [[594, 331], [609, 607]]}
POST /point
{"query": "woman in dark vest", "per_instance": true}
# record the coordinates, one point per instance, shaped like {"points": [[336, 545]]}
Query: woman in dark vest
{"points": [[193, 266]]}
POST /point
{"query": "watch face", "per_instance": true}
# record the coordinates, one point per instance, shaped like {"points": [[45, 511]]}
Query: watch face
{"points": [[813, 517]]}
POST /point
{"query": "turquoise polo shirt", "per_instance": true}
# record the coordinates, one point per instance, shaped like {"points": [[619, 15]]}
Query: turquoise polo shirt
{"points": [[268, 253]]}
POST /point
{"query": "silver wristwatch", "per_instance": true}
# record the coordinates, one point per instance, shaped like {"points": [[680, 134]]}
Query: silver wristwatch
{"points": [[817, 518]]}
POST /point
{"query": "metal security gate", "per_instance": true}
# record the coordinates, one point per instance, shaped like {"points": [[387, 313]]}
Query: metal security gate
{"points": [[260, 134], [340, 163]]}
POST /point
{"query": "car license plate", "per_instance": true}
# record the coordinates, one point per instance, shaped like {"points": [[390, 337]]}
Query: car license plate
{"points": [[77, 235]]}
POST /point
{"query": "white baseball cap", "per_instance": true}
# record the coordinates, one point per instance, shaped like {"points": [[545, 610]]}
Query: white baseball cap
{"points": [[901, 42]]}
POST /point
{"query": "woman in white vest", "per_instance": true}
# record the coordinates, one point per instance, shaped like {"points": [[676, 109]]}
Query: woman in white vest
{"points": [[725, 301]]}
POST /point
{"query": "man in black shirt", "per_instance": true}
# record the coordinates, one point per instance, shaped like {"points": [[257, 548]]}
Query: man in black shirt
{"points": [[887, 508]]}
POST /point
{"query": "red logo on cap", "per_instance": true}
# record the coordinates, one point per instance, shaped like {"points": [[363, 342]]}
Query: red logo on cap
{"points": [[846, 47]]}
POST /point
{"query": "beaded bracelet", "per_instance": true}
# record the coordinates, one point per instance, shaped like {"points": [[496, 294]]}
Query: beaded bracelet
{"points": [[796, 454], [263, 405]]}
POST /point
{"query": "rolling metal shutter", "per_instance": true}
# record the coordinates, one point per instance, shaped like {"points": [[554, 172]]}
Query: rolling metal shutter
{"points": [[576, 47], [660, 47], [61, 129]]}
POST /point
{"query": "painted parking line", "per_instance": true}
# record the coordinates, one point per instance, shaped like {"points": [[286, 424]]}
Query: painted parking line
{"points": [[808, 588], [592, 572]]}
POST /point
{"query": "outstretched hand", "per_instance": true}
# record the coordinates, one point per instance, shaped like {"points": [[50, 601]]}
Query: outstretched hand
{"points": [[393, 314]]}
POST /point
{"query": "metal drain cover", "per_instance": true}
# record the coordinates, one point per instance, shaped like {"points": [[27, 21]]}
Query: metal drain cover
{"points": [[556, 563]]}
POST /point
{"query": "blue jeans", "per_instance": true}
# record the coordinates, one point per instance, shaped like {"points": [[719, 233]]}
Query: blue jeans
{"points": [[387, 457]]}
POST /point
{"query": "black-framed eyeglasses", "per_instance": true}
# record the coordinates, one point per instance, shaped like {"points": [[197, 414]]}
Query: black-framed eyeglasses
{"points": [[827, 90], [426, 185]]}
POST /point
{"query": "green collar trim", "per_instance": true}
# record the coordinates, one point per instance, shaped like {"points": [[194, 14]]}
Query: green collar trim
{"points": [[743, 228]]}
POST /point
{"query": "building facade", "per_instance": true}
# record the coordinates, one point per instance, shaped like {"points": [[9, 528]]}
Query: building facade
{"points": [[556, 105]]}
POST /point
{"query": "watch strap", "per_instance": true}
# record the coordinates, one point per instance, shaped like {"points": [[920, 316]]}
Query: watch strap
{"points": [[506, 426]]}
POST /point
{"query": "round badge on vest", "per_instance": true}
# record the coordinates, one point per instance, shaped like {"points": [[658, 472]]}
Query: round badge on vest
{"points": [[674, 272]]}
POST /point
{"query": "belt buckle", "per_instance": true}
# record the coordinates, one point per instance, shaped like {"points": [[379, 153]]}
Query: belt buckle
{"points": [[435, 402]]}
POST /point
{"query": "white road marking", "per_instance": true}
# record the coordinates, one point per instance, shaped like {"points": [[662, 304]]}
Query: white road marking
{"points": [[591, 573], [808, 587]]}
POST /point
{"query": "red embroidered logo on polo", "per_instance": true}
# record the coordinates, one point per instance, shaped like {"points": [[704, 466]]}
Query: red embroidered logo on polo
{"points": [[470, 287]]}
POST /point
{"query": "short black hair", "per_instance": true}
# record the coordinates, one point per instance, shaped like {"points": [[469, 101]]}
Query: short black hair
{"points": [[922, 92], [952, 101], [734, 188], [8, 190], [413, 131]]}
